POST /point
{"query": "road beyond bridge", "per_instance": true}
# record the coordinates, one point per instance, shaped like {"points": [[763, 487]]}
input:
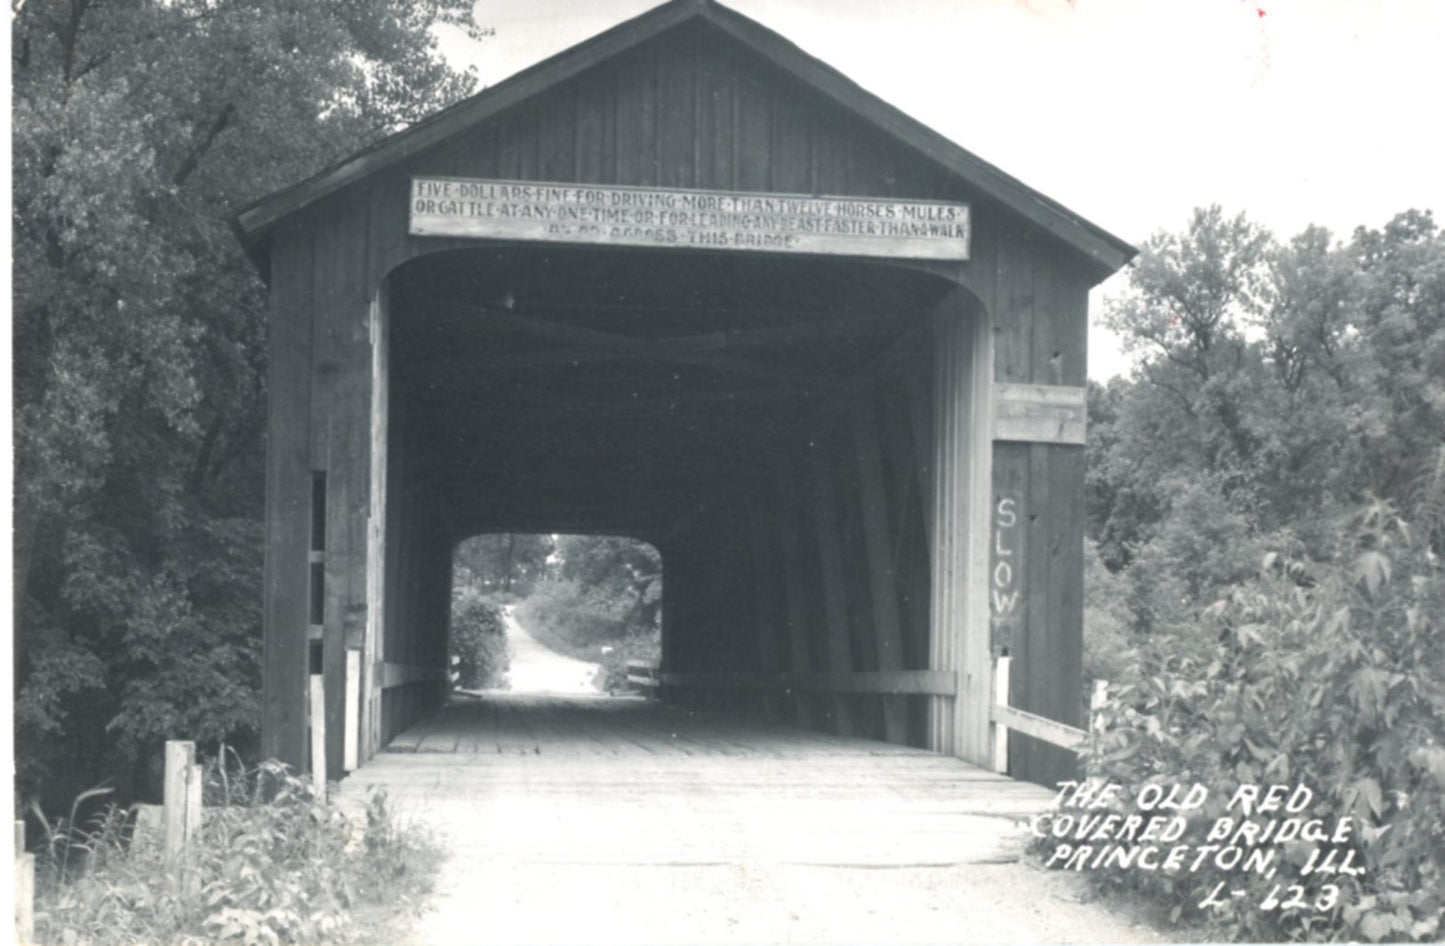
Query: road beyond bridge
{"points": [[600, 820]]}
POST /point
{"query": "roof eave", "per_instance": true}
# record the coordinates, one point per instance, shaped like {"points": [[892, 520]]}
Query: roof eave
{"points": [[1105, 252]]}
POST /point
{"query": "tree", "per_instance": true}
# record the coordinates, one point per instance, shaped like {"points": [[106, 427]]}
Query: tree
{"points": [[139, 126], [509, 563], [1278, 385], [623, 575]]}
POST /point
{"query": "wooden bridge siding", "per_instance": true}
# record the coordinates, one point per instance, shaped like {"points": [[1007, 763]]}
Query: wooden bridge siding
{"points": [[706, 116], [418, 576], [288, 498], [1041, 338]]}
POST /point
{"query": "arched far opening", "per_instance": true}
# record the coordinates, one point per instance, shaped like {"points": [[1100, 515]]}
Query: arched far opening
{"points": [[557, 614]]}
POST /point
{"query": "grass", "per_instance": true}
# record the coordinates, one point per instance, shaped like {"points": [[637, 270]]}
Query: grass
{"points": [[274, 863]]}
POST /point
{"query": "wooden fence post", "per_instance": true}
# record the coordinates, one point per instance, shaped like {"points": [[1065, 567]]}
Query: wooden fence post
{"points": [[318, 734], [1001, 696], [351, 743], [1097, 700], [24, 888], [180, 760]]}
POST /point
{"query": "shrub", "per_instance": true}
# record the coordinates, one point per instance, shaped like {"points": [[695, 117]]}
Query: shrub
{"points": [[478, 641], [274, 863], [1325, 674], [1107, 651]]}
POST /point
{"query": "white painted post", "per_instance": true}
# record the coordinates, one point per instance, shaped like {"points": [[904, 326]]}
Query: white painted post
{"points": [[1001, 695], [318, 734], [195, 781], [1097, 699], [24, 888], [180, 760], [350, 741]]}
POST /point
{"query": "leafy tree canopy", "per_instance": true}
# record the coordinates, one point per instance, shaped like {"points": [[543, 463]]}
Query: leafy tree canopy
{"points": [[139, 126], [1286, 380]]}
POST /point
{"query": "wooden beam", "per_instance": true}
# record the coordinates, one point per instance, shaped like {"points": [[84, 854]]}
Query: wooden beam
{"points": [[790, 547], [963, 447], [672, 351], [833, 580], [882, 577], [369, 722], [769, 621], [288, 499], [892, 683], [1054, 733]]}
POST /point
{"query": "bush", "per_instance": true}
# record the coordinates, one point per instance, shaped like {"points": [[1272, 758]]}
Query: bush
{"points": [[274, 863], [478, 641], [1108, 654], [1325, 674]]}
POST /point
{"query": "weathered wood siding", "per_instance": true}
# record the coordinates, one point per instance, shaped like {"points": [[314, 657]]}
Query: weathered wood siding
{"points": [[1040, 324], [843, 554]]}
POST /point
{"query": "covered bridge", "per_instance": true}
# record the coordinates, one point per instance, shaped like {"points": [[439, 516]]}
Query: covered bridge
{"points": [[686, 283]]}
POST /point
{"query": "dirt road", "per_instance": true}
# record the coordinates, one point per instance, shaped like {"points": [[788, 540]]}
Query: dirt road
{"points": [[537, 668]]}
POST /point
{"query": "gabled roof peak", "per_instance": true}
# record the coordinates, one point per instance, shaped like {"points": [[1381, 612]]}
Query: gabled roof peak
{"points": [[1104, 252]]}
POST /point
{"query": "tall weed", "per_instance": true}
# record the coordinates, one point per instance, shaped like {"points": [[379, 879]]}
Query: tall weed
{"points": [[275, 863]]}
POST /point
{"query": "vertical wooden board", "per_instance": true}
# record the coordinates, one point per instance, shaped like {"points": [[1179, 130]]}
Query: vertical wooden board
{"points": [[376, 521], [908, 513], [510, 135], [487, 158], [754, 135], [713, 107], [1049, 677], [831, 146], [872, 169], [1014, 309], [288, 498], [556, 135], [960, 573], [389, 243], [676, 115], [791, 167], [595, 147], [979, 275], [789, 542], [528, 132], [920, 378], [341, 434], [867, 708], [636, 120], [882, 577], [1053, 677], [1061, 321], [901, 480], [832, 581], [768, 612]]}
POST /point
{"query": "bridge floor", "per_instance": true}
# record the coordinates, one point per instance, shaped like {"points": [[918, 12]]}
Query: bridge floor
{"points": [[616, 820]]}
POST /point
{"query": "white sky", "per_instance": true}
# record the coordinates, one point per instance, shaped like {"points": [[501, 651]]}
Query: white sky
{"points": [[1129, 112]]}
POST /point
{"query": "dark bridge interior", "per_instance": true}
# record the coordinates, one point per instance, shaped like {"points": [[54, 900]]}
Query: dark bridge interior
{"points": [[581, 390], [761, 421]]}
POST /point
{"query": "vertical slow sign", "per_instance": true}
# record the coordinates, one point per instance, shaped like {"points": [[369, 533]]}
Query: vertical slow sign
{"points": [[1004, 574]]}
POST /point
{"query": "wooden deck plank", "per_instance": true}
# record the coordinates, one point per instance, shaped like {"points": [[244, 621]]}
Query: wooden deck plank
{"points": [[602, 781]]}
